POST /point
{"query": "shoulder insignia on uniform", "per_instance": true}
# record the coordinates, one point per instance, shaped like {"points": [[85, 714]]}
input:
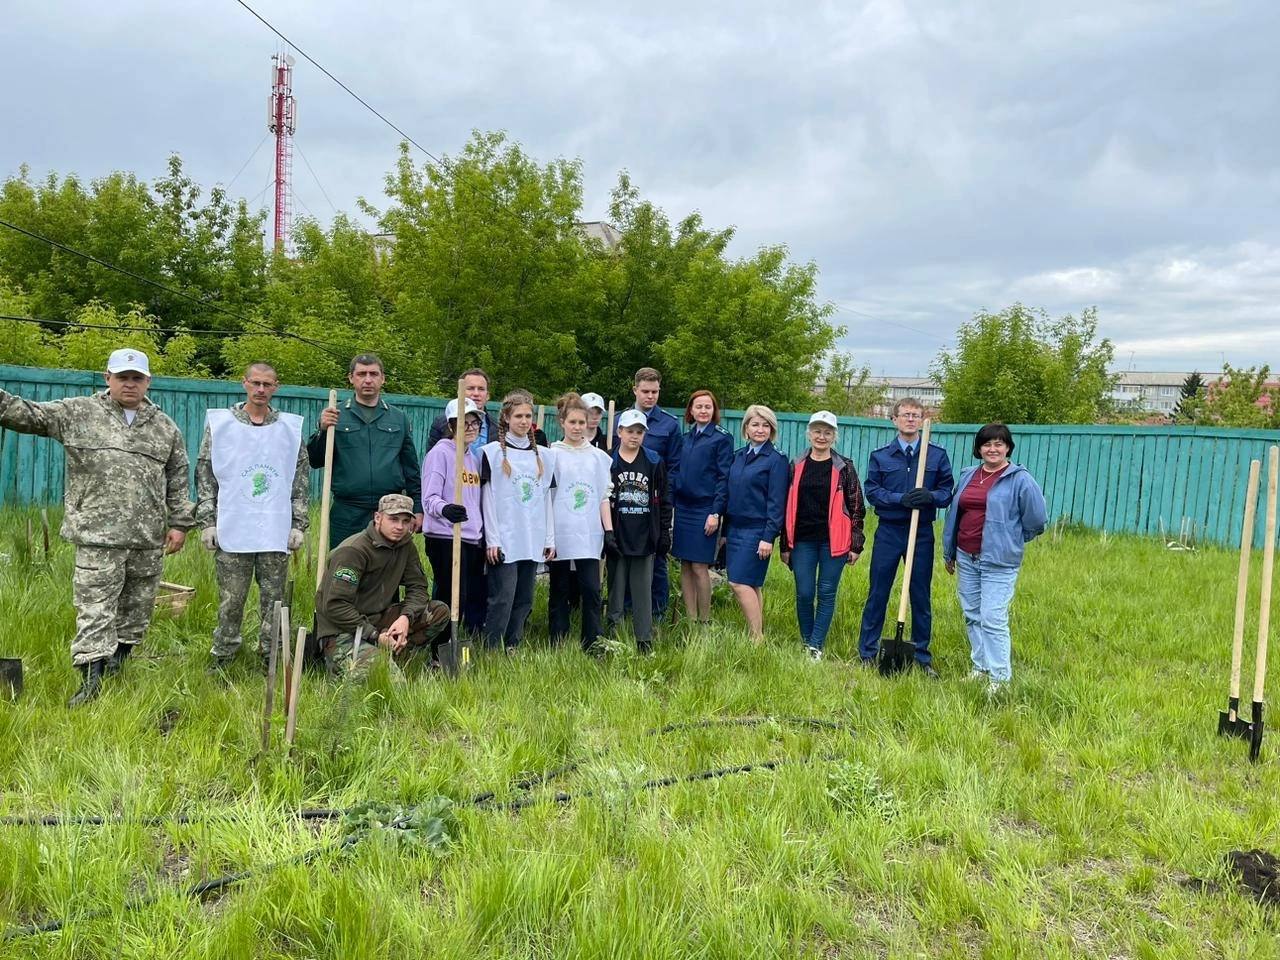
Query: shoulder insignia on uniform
{"points": [[347, 575]]}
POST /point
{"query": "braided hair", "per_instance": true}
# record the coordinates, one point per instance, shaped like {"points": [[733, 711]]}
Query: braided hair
{"points": [[515, 398]]}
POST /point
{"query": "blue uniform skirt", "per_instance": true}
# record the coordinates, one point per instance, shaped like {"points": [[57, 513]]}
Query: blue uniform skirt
{"points": [[688, 542], [741, 563]]}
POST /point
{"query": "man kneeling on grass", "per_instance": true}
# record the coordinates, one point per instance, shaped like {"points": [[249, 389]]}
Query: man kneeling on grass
{"points": [[361, 590]]}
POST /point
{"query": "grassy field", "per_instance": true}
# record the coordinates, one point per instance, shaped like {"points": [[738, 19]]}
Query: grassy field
{"points": [[1061, 821]]}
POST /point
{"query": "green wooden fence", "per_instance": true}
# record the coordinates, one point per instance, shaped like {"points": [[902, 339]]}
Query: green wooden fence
{"points": [[1115, 478]]}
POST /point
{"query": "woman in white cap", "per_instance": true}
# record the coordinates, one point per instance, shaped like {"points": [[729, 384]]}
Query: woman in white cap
{"points": [[822, 532], [440, 513]]}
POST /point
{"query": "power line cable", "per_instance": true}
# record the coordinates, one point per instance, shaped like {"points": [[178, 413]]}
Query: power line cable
{"points": [[203, 300], [245, 165], [893, 323], [43, 321], [361, 100], [312, 171]]}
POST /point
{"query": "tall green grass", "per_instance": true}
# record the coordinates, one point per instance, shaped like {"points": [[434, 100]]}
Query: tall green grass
{"points": [[1057, 822]]}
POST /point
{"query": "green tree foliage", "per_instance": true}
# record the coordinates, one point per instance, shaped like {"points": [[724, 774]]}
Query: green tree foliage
{"points": [[1242, 398], [482, 261], [1190, 405], [162, 232], [847, 389], [1019, 366]]}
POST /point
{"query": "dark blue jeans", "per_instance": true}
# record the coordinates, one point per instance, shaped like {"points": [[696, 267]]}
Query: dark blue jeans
{"points": [[817, 575], [887, 554]]}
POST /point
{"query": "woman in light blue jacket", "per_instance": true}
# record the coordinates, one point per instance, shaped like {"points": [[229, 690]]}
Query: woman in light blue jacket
{"points": [[997, 509]]}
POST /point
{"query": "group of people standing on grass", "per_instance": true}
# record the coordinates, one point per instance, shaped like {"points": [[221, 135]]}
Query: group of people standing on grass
{"points": [[592, 515]]}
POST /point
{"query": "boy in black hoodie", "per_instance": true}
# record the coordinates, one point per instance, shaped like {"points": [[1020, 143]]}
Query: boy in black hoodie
{"points": [[641, 504]]}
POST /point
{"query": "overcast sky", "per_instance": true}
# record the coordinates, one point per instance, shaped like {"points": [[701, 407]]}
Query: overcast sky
{"points": [[933, 158]]}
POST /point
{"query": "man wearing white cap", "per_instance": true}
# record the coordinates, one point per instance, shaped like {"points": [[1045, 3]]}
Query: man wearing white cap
{"points": [[127, 504], [596, 409]]}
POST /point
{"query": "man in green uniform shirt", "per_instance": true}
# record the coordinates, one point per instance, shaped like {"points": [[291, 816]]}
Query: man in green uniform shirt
{"points": [[373, 452], [361, 591]]}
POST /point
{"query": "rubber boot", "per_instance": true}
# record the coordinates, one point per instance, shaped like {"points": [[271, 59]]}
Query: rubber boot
{"points": [[91, 685], [115, 663]]}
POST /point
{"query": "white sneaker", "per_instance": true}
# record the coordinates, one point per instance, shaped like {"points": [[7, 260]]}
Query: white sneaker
{"points": [[815, 653], [997, 688], [978, 675]]}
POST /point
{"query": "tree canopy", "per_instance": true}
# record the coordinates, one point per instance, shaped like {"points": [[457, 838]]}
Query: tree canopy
{"points": [[1018, 366], [481, 260]]}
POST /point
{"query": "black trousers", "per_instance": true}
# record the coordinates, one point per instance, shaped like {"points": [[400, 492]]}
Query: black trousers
{"points": [[474, 597], [586, 576]]}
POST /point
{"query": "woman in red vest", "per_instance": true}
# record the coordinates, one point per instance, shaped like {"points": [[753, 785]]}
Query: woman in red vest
{"points": [[822, 532]]}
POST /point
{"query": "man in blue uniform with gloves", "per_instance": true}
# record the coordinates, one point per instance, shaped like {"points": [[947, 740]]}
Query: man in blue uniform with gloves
{"points": [[889, 486]]}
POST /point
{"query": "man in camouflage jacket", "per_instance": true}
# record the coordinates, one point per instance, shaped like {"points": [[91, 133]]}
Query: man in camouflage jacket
{"points": [[127, 505], [237, 571]]}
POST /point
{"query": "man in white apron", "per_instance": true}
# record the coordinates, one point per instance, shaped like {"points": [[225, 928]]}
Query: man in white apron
{"points": [[252, 488]]}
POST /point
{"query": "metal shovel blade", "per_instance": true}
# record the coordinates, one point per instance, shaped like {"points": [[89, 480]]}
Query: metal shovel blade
{"points": [[455, 656], [10, 677], [896, 652], [1255, 733], [1230, 723]]}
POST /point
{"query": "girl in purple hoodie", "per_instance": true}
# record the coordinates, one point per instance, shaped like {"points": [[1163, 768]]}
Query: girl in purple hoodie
{"points": [[440, 513]]}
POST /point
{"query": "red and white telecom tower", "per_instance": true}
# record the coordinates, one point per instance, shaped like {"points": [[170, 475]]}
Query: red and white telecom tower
{"points": [[282, 120]]}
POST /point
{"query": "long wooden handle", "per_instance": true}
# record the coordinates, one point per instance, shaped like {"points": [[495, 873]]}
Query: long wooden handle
{"points": [[923, 455], [291, 722], [1242, 581], [273, 659], [459, 462], [285, 659], [1268, 566], [608, 436], [322, 548], [542, 415]]}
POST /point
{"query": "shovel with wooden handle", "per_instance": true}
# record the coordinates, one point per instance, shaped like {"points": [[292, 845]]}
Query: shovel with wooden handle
{"points": [[896, 652], [1264, 610], [457, 654], [1229, 721]]}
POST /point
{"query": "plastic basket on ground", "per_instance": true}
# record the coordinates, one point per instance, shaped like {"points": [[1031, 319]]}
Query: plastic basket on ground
{"points": [[172, 598]]}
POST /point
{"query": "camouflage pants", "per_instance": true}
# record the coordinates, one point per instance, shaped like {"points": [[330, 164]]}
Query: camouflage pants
{"points": [[236, 572], [114, 590], [425, 632]]}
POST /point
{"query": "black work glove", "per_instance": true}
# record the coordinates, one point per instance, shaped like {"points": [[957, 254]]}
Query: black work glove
{"points": [[664, 544], [610, 543], [917, 499], [454, 512]]}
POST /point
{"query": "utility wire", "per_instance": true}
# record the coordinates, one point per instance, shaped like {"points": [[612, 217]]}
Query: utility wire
{"points": [[204, 300], [363, 102], [107, 326], [312, 171], [245, 165]]}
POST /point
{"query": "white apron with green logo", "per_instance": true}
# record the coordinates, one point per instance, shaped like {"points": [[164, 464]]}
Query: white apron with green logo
{"points": [[254, 468]]}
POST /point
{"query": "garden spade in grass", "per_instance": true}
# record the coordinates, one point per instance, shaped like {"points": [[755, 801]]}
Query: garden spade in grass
{"points": [[457, 653], [896, 652], [1264, 609], [1229, 721]]}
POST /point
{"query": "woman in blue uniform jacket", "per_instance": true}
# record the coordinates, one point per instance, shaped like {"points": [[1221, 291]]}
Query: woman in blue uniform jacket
{"points": [[757, 504], [700, 489]]}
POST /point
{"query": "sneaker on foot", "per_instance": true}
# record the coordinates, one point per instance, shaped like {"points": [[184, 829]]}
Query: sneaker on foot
{"points": [[928, 671], [815, 653], [976, 674]]}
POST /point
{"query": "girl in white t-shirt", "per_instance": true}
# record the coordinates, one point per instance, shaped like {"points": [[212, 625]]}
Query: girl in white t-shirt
{"points": [[515, 484], [583, 522]]}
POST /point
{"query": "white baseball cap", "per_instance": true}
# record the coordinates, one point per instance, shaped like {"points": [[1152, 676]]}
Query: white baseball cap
{"points": [[451, 409], [128, 360], [633, 418], [594, 401], [825, 417]]}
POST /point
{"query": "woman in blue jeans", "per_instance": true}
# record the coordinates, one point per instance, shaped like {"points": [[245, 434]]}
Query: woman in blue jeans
{"points": [[822, 530], [998, 508]]}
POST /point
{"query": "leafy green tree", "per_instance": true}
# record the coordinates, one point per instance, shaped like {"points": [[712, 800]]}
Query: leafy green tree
{"points": [[488, 263], [1244, 397], [25, 344], [1019, 366], [1190, 406], [848, 390], [751, 330], [105, 329]]}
